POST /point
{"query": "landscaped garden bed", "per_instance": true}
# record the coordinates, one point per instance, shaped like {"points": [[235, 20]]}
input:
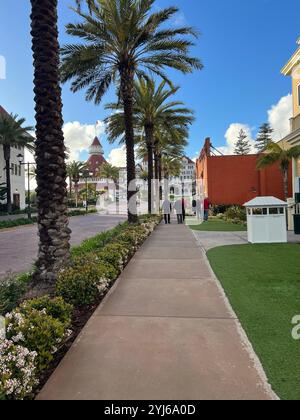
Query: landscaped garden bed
{"points": [[40, 331], [262, 283]]}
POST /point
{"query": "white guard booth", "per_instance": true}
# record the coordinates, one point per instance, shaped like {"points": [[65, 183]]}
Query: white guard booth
{"points": [[266, 217]]}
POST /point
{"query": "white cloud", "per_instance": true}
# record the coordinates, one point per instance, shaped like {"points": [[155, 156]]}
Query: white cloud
{"points": [[279, 117], [117, 157], [231, 136], [78, 137]]}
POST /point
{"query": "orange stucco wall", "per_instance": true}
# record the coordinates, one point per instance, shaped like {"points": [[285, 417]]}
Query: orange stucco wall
{"points": [[235, 179]]}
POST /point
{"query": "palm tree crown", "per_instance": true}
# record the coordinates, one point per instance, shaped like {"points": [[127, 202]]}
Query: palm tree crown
{"points": [[275, 153]]}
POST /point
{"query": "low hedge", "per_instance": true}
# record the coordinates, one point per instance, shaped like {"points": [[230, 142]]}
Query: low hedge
{"points": [[38, 328]]}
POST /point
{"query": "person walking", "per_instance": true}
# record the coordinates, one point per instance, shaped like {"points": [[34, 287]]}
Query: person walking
{"points": [[167, 210], [183, 210], [178, 209], [207, 205]]}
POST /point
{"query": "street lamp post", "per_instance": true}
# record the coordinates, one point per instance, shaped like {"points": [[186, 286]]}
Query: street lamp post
{"points": [[28, 164]]}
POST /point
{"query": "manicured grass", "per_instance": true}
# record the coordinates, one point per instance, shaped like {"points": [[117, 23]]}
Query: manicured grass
{"points": [[219, 225], [262, 283]]}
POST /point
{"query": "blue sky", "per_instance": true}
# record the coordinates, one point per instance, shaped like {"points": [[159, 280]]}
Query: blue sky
{"points": [[243, 46]]}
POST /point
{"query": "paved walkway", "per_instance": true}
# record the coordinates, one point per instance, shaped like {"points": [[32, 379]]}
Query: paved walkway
{"points": [[18, 246], [163, 332], [209, 240]]}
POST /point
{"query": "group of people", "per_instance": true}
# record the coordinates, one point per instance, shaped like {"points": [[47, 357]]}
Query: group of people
{"points": [[180, 209]]}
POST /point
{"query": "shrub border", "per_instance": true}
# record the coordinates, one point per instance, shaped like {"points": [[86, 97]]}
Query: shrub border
{"points": [[82, 315]]}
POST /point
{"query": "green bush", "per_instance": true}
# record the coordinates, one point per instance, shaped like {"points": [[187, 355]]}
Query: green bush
{"points": [[38, 332], [82, 284], [19, 222], [11, 291], [115, 254], [236, 213], [98, 241], [57, 308]]}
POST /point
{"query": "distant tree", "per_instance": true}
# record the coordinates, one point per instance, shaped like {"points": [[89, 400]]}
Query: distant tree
{"points": [[276, 153], [242, 146], [264, 137], [111, 172], [74, 170], [144, 176]]}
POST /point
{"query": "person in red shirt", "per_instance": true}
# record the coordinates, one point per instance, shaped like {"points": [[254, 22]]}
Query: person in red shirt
{"points": [[207, 205]]}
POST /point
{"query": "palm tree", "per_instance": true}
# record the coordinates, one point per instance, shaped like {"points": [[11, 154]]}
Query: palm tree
{"points": [[108, 172], [275, 153], [153, 114], [124, 38], [75, 170], [54, 233], [12, 134]]}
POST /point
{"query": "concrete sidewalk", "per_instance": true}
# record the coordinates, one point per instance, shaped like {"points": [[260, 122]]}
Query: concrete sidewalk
{"points": [[164, 332]]}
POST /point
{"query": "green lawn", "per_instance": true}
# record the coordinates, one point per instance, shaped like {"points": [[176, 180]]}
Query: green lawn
{"points": [[262, 283], [219, 225]]}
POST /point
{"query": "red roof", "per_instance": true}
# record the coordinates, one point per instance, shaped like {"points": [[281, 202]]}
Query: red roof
{"points": [[95, 162], [2, 111], [96, 142]]}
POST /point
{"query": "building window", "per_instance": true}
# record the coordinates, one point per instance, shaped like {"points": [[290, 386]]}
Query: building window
{"points": [[298, 95]]}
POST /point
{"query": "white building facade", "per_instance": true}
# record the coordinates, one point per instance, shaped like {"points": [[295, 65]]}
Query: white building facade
{"points": [[17, 177]]}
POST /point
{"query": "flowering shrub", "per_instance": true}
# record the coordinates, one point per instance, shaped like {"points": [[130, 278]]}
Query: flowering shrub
{"points": [[57, 308], [37, 331], [82, 284], [39, 327], [11, 291], [17, 371], [115, 254]]}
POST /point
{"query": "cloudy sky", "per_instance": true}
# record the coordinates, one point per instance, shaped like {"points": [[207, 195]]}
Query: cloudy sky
{"points": [[243, 46]]}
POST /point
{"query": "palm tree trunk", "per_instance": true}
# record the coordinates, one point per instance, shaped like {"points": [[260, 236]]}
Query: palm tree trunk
{"points": [[117, 197], [157, 185], [76, 194], [127, 88], [286, 184], [54, 233], [160, 177], [6, 153], [70, 186], [149, 142]]}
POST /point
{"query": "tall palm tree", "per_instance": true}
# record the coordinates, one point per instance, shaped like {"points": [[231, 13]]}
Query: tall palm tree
{"points": [[124, 38], [111, 172], [12, 134], [54, 233], [275, 153], [153, 113], [75, 170]]}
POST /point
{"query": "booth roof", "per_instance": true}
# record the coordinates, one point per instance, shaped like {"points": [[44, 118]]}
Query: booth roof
{"points": [[265, 202]]}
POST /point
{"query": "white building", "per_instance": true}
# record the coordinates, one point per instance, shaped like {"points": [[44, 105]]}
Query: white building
{"points": [[186, 178], [17, 175]]}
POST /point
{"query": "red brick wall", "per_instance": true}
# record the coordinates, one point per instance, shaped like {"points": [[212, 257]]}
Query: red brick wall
{"points": [[235, 179]]}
